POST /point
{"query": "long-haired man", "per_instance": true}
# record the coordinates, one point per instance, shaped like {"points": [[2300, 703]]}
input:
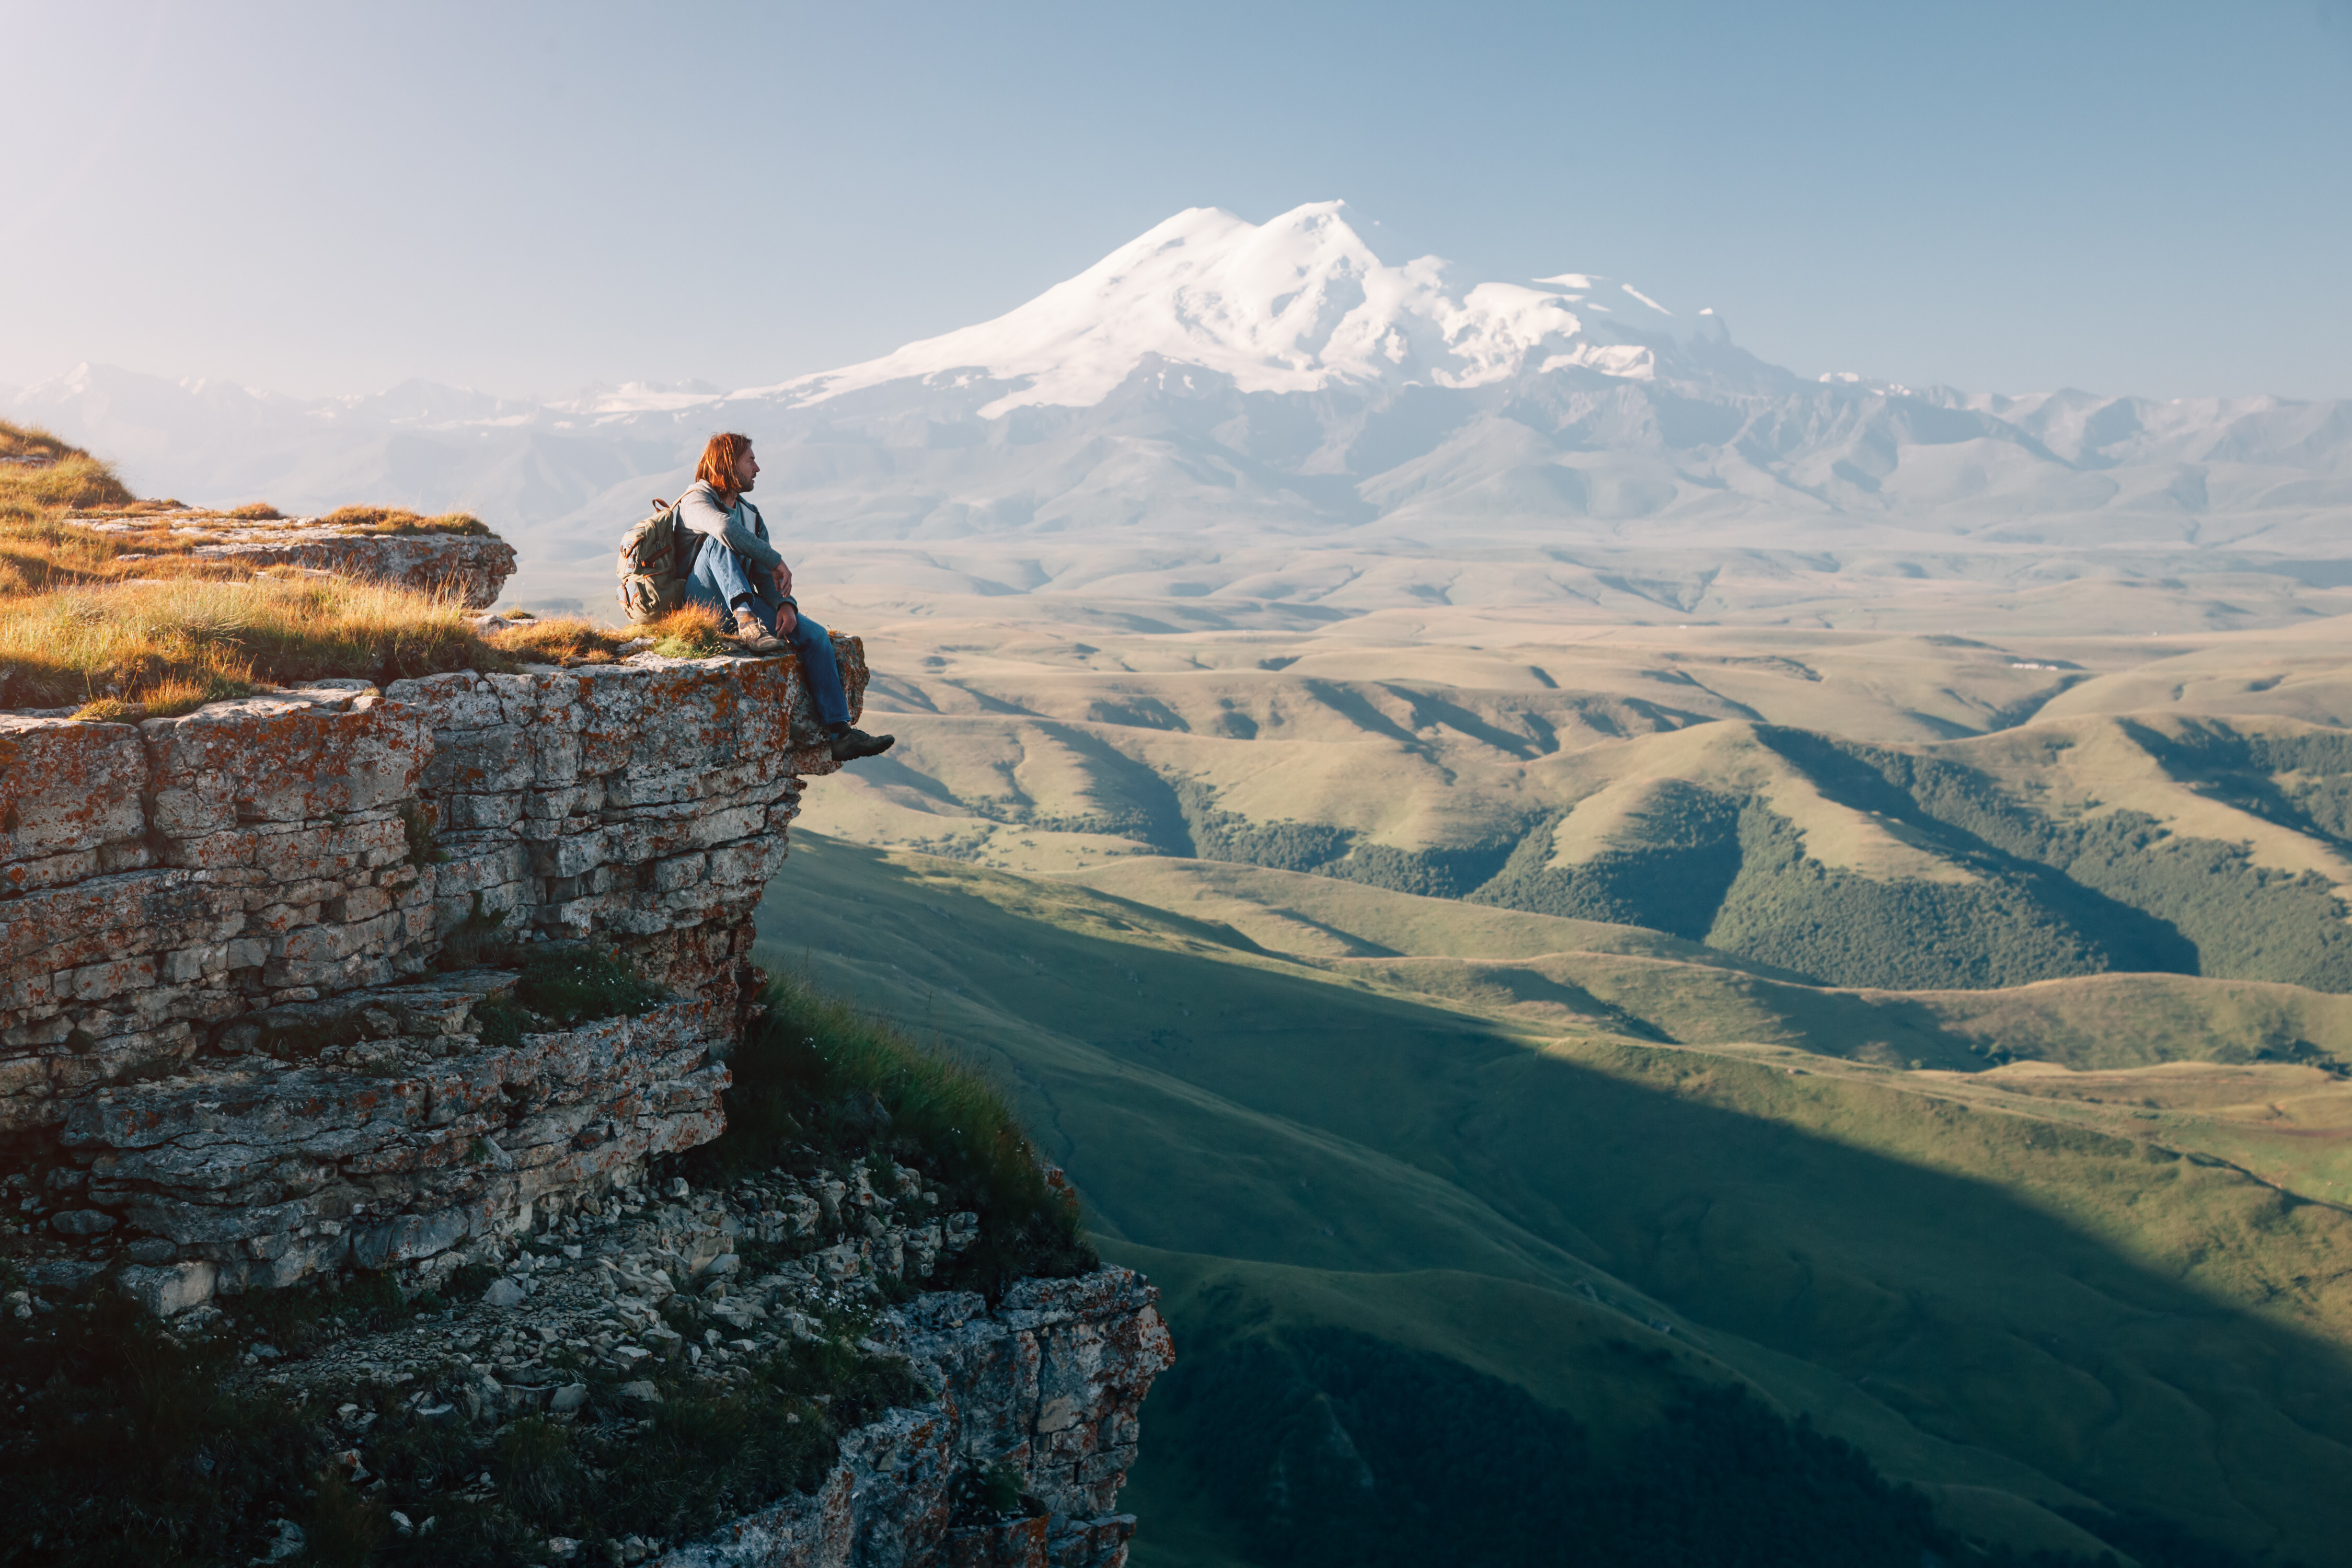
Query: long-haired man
{"points": [[739, 574]]}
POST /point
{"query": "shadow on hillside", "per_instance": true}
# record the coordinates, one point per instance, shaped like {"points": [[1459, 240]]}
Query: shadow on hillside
{"points": [[2075, 1302]]}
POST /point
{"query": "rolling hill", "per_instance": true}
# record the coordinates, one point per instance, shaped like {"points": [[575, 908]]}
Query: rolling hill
{"points": [[1906, 813], [2077, 1292]]}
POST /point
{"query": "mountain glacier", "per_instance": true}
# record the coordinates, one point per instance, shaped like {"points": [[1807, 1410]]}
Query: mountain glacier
{"points": [[1217, 383]]}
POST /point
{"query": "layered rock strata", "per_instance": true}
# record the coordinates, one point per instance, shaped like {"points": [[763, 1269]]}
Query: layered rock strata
{"points": [[177, 893], [162, 880], [394, 1148], [593, 1285], [473, 567]]}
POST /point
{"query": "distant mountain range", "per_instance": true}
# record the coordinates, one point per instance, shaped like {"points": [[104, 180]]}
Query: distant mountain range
{"points": [[1226, 384]]}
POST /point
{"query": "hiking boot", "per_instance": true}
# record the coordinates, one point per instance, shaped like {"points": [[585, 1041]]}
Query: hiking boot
{"points": [[852, 744], [753, 639]]}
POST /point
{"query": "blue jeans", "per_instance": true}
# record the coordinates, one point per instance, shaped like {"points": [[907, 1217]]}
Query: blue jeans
{"points": [[720, 579]]}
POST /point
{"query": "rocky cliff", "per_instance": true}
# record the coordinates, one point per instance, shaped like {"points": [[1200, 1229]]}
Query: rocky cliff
{"points": [[352, 1040], [1046, 1386], [240, 1016]]}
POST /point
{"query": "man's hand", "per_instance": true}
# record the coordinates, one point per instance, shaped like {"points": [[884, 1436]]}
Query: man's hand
{"points": [[782, 580], [788, 620]]}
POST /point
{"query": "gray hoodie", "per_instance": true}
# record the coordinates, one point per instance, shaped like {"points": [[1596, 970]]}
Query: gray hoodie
{"points": [[740, 529]]}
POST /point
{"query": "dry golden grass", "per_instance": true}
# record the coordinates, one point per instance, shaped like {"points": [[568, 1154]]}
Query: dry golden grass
{"points": [[690, 631], [395, 519], [46, 504], [129, 622], [153, 649], [71, 482], [41, 551], [169, 646], [564, 639], [32, 441]]}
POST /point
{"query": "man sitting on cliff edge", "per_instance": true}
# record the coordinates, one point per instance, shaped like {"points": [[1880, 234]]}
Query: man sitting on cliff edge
{"points": [[739, 574]]}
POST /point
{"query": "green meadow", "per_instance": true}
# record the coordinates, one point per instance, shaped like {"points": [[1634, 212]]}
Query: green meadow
{"points": [[2068, 1258]]}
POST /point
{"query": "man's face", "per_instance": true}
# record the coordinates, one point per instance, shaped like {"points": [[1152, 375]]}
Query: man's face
{"points": [[747, 471]]}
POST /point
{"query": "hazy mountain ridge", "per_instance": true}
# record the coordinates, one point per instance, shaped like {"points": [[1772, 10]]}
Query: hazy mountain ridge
{"points": [[1215, 381]]}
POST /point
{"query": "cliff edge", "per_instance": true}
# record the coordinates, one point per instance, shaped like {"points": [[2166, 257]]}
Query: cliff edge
{"points": [[366, 1052]]}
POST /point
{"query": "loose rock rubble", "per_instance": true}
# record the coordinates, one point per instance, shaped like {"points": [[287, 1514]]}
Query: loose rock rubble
{"points": [[592, 1317], [603, 1285]]}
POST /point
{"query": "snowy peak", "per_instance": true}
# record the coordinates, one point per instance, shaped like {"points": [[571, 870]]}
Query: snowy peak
{"points": [[1296, 304]]}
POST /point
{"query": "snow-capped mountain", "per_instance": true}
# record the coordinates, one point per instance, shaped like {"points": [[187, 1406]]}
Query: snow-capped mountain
{"points": [[1300, 304], [1216, 380]]}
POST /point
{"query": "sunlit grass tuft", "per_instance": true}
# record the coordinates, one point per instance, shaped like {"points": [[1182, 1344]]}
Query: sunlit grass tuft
{"points": [[109, 652], [690, 631]]}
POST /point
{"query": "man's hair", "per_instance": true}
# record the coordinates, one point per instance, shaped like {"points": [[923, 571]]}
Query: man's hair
{"points": [[717, 469]]}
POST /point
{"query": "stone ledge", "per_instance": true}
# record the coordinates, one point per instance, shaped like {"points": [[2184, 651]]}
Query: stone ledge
{"points": [[400, 1137], [471, 566]]}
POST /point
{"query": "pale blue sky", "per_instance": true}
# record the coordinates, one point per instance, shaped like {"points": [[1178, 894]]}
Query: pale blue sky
{"points": [[526, 197]]}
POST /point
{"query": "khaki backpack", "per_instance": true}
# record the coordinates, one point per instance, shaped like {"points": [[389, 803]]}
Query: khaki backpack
{"points": [[657, 554]]}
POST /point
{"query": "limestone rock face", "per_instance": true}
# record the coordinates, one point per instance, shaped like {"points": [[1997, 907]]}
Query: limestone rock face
{"points": [[224, 938], [160, 881], [398, 1147], [1049, 1383]]}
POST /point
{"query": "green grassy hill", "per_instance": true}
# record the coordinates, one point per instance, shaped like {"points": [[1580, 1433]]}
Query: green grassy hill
{"points": [[1916, 813], [1612, 1170]]}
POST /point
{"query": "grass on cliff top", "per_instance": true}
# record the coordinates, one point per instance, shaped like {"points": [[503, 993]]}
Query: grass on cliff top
{"points": [[396, 520], [155, 648], [127, 623], [50, 491], [40, 472], [818, 1082]]}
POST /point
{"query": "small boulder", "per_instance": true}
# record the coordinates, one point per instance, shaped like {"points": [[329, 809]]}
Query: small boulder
{"points": [[641, 1394], [170, 1290], [82, 1222], [289, 1544], [504, 1292], [572, 1396]]}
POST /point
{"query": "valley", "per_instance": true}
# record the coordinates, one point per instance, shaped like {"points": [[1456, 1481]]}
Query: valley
{"points": [[1942, 1037]]}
